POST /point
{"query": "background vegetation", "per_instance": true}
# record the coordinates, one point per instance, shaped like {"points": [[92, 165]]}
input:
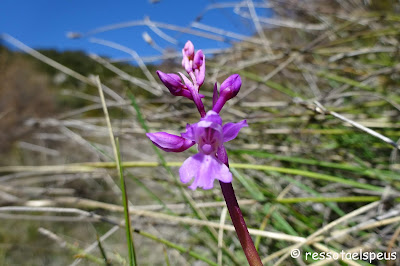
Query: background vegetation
{"points": [[318, 166]]}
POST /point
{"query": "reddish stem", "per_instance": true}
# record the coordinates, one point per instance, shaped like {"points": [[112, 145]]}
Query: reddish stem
{"points": [[237, 217], [240, 225]]}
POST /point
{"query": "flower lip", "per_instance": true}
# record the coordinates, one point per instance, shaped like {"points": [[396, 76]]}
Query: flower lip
{"points": [[204, 169]]}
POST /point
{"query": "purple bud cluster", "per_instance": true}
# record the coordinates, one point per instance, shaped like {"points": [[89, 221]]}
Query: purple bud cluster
{"points": [[194, 64]]}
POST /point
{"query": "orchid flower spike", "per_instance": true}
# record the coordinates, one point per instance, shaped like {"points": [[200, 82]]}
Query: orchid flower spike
{"points": [[209, 134]]}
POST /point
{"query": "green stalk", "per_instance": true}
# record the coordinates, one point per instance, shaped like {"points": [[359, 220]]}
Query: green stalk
{"points": [[332, 199], [117, 156], [129, 236], [341, 166], [309, 174], [102, 252], [345, 80]]}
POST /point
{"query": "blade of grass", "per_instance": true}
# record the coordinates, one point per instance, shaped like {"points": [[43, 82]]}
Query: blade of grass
{"points": [[332, 199], [249, 184], [341, 166], [102, 252], [331, 205], [129, 236], [149, 192], [281, 222], [345, 80], [166, 256], [117, 156], [310, 174]]}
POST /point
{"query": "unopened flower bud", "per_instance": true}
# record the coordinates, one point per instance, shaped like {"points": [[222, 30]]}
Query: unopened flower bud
{"points": [[172, 81], [188, 50], [231, 86], [229, 89], [188, 55], [199, 67], [175, 85], [198, 59]]}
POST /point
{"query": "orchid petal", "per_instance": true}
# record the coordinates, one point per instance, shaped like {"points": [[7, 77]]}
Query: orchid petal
{"points": [[213, 117], [169, 142], [190, 132], [222, 154], [231, 130], [204, 169], [186, 64], [186, 94]]}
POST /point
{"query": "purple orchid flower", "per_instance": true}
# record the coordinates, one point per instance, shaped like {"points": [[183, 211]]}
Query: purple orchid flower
{"points": [[209, 134]]}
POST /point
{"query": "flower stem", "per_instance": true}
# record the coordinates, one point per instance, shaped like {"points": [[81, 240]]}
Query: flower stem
{"points": [[240, 225], [236, 215], [219, 104]]}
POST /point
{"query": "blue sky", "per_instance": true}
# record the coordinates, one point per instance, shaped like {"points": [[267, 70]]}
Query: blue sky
{"points": [[44, 23]]}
